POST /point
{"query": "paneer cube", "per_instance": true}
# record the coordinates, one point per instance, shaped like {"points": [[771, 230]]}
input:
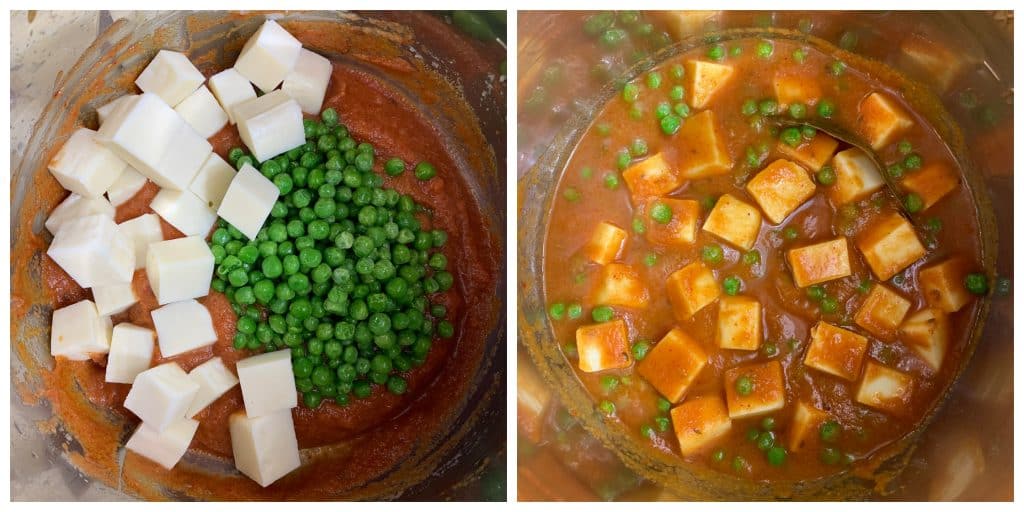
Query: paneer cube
{"points": [[943, 284], [113, 298], [882, 119], [214, 380], [93, 251], [171, 76], [161, 395], [179, 269], [807, 419], [75, 207], [603, 346], [165, 448], [651, 177], [767, 391], [793, 88], [265, 448], [931, 182], [308, 80], [620, 285], [681, 230], [739, 323], [268, 56], [836, 351], [700, 422], [212, 181], [734, 221], [231, 88], [125, 188], [890, 245], [780, 189], [140, 232], [78, 331], [185, 211], [202, 112], [691, 288], [248, 201], [270, 125], [886, 389], [927, 334], [932, 61], [533, 395], [701, 151], [268, 385], [882, 311], [857, 177], [812, 154], [685, 23], [673, 364], [84, 166], [131, 351], [820, 262], [605, 244], [702, 80], [183, 326], [103, 113]]}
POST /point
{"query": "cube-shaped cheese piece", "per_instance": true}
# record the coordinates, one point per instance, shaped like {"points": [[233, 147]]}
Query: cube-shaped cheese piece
{"points": [[681, 24], [533, 396], [734, 221], [882, 311], [807, 419], [231, 88], [739, 323], [131, 351], [165, 448], [142, 231], [112, 299], [268, 56], [93, 251], [943, 284], [767, 391], [933, 61], [307, 82], [267, 383], [161, 395], [856, 177], [651, 177], [927, 334], [701, 151], [780, 189], [171, 76], [104, 112], [78, 331], [681, 230], [248, 201], [620, 285], [793, 88], [885, 389], [265, 447], [691, 288], [129, 184], [890, 245], [702, 80], [183, 326], [270, 125], [931, 183], [673, 364], [185, 211], [836, 351], [179, 269], [820, 262], [212, 181], [882, 120], [75, 207], [603, 346], [812, 154], [202, 112], [214, 380], [700, 422], [605, 244], [84, 166]]}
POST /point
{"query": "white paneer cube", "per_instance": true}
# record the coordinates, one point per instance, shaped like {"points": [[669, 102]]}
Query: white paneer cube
{"points": [[890, 245], [179, 269], [129, 184], [703, 80], [171, 76], [84, 166], [934, 62], [161, 395], [836, 351], [308, 80], [165, 448], [791, 88], [882, 311], [268, 56], [931, 183], [605, 243], [248, 201], [820, 262], [691, 288], [112, 299], [268, 384], [734, 221], [739, 323], [93, 251], [651, 177], [701, 150], [885, 389], [682, 24], [104, 112], [763, 389], [212, 181], [265, 448], [76, 207], [214, 380], [183, 326], [927, 334], [681, 230], [202, 112], [781, 188], [185, 211], [942, 284], [231, 88], [673, 364], [131, 351], [699, 422], [603, 346], [807, 419], [856, 177], [270, 125], [812, 154], [620, 285], [142, 231], [882, 120], [78, 331]]}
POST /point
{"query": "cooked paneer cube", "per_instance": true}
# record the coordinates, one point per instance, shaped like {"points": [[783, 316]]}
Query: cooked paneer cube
{"points": [[807, 419], [264, 448], [820, 262], [780, 189], [701, 148], [620, 285], [754, 389], [268, 56], [943, 284], [161, 395], [129, 184], [114, 298], [673, 364], [739, 323], [78, 331], [651, 177], [84, 166], [605, 244], [270, 125], [248, 201], [77, 206], [681, 230], [183, 326], [885, 389], [932, 61], [794, 88], [165, 448], [882, 120], [185, 211], [882, 311], [179, 269], [890, 245], [836, 351], [533, 395], [104, 112], [603, 346], [171, 76], [702, 80], [812, 154], [700, 422], [307, 82], [231, 88], [202, 112], [131, 350], [856, 177], [691, 288], [734, 221], [142, 231], [927, 334], [682, 24], [93, 251], [214, 380], [268, 384], [212, 181], [931, 182]]}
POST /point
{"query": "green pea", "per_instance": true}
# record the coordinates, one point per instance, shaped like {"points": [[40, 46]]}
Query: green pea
{"points": [[732, 285], [661, 213], [670, 124], [425, 171], [744, 385], [976, 283], [602, 314], [640, 350], [776, 455], [913, 203], [826, 175], [712, 254]]}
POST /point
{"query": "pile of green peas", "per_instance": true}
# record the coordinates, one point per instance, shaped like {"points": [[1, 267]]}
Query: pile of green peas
{"points": [[341, 273]]}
